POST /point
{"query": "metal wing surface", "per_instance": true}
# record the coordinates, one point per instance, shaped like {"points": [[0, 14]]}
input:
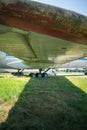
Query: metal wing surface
{"points": [[42, 35]]}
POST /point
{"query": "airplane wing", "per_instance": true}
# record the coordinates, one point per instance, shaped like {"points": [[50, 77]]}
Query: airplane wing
{"points": [[8, 62], [79, 63], [42, 35], [17, 65]]}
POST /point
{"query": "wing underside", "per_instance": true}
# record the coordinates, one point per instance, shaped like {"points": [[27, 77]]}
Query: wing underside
{"points": [[39, 50]]}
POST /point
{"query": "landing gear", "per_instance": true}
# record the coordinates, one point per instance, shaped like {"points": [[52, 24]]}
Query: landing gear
{"points": [[85, 71], [32, 75], [41, 73], [19, 73], [44, 75], [38, 75]]}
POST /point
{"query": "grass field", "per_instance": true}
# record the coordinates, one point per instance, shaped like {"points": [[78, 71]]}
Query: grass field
{"points": [[54, 103]]}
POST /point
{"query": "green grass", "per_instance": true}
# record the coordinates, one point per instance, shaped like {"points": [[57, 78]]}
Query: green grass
{"points": [[11, 88], [52, 103], [80, 83]]}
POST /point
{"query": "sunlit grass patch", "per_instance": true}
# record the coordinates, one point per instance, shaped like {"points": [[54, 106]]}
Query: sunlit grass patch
{"points": [[11, 88], [79, 81]]}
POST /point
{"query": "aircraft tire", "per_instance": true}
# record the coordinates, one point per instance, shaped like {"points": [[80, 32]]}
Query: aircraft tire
{"points": [[38, 75], [44, 75], [85, 73], [32, 75]]}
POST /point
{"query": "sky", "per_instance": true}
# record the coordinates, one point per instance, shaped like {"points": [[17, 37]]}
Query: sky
{"points": [[79, 6]]}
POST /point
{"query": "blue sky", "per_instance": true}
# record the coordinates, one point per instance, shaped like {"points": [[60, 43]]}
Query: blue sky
{"points": [[79, 6]]}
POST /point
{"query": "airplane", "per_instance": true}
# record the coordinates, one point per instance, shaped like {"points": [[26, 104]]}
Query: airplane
{"points": [[80, 63], [10, 62], [42, 35]]}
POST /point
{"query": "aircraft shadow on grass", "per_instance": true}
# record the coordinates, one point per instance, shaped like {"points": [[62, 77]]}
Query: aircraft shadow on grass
{"points": [[48, 104]]}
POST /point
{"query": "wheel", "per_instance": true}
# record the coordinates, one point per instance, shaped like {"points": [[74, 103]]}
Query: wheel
{"points": [[44, 75], [32, 75], [85, 73], [38, 75], [13, 73], [20, 74], [17, 73]]}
